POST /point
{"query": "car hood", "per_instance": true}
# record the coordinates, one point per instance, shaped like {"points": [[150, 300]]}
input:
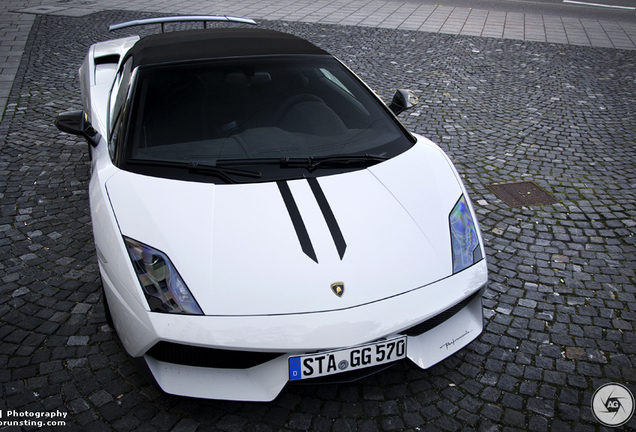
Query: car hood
{"points": [[242, 249]]}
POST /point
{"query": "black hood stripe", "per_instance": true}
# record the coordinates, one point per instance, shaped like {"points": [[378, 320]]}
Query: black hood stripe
{"points": [[327, 213], [297, 220], [299, 224]]}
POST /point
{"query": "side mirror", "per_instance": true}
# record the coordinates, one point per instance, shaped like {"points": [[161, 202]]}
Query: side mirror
{"points": [[403, 100], [76, 123]]}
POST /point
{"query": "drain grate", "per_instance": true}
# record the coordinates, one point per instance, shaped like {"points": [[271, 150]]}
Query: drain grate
{"points": [[521, 194]]}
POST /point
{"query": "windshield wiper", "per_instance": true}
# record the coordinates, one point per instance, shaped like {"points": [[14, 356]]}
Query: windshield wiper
{"points": [[310, 163], [196, 168], [351, 159]]}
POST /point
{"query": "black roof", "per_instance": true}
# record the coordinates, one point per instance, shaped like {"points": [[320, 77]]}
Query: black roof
{"points": [[188, 45]]}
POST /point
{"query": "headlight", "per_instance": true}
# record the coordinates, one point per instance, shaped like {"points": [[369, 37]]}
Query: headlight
{"points": [[164, 289], [464, 239]]}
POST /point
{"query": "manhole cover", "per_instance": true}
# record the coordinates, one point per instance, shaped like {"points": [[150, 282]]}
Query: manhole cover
{"points": [[521, 194]]}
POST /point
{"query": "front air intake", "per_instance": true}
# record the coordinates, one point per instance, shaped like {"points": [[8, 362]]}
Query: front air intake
{"points": [[431, 323], [208, 357]]}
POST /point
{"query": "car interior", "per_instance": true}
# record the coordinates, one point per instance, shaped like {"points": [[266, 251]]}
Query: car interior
{"points": [[286, 108]]}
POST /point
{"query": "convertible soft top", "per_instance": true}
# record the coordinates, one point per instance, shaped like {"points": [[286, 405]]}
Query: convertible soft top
{"points": [[190, 45]]}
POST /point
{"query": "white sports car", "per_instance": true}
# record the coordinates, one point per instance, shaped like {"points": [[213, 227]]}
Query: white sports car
{"points": [[261, 218]]}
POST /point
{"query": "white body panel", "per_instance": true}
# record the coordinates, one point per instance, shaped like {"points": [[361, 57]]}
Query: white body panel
{"points": [[96, 77], [236, 249], [300, 333], [213, 232]]}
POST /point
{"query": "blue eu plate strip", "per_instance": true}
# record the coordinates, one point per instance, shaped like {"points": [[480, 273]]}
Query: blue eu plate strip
{"points": [[294, 368]]}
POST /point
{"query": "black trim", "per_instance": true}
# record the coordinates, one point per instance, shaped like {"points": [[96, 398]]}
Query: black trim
{"points": [[297, 220], [431, 323], [345, 377], [327, 213], [208, 357]]}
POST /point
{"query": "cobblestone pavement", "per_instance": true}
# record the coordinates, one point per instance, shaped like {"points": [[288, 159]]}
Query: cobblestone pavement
{"points": [[560, 309], [16, 17]]}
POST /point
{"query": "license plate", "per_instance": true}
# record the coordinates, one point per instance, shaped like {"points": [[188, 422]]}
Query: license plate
{"points": [[343, 360]]}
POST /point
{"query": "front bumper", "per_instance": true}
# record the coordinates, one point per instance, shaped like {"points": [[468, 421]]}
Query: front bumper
{"points": [[140, 330]]}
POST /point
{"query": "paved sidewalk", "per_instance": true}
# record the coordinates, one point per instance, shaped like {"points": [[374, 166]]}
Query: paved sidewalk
{"points": [[16, 17], [14, 31]]}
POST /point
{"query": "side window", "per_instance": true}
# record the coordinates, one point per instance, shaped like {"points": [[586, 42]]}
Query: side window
{"points": [[118, 95]]}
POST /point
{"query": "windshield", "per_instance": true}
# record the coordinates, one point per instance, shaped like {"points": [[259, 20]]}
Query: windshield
{"points": [[257, 111]]}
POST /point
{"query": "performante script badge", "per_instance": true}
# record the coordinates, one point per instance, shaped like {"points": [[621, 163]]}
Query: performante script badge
{"points": [[338, 288]]}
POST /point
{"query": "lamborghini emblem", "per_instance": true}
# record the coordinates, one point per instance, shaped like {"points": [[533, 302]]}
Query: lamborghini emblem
{"points": [[338, 288]]}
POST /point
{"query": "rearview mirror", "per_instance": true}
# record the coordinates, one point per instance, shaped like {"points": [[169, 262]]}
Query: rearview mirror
{"points": [[403, 100], [76, 123]]}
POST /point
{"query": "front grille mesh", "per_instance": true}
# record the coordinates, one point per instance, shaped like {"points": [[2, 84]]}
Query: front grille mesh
{"points": [[431, 323], [208, 357]]}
